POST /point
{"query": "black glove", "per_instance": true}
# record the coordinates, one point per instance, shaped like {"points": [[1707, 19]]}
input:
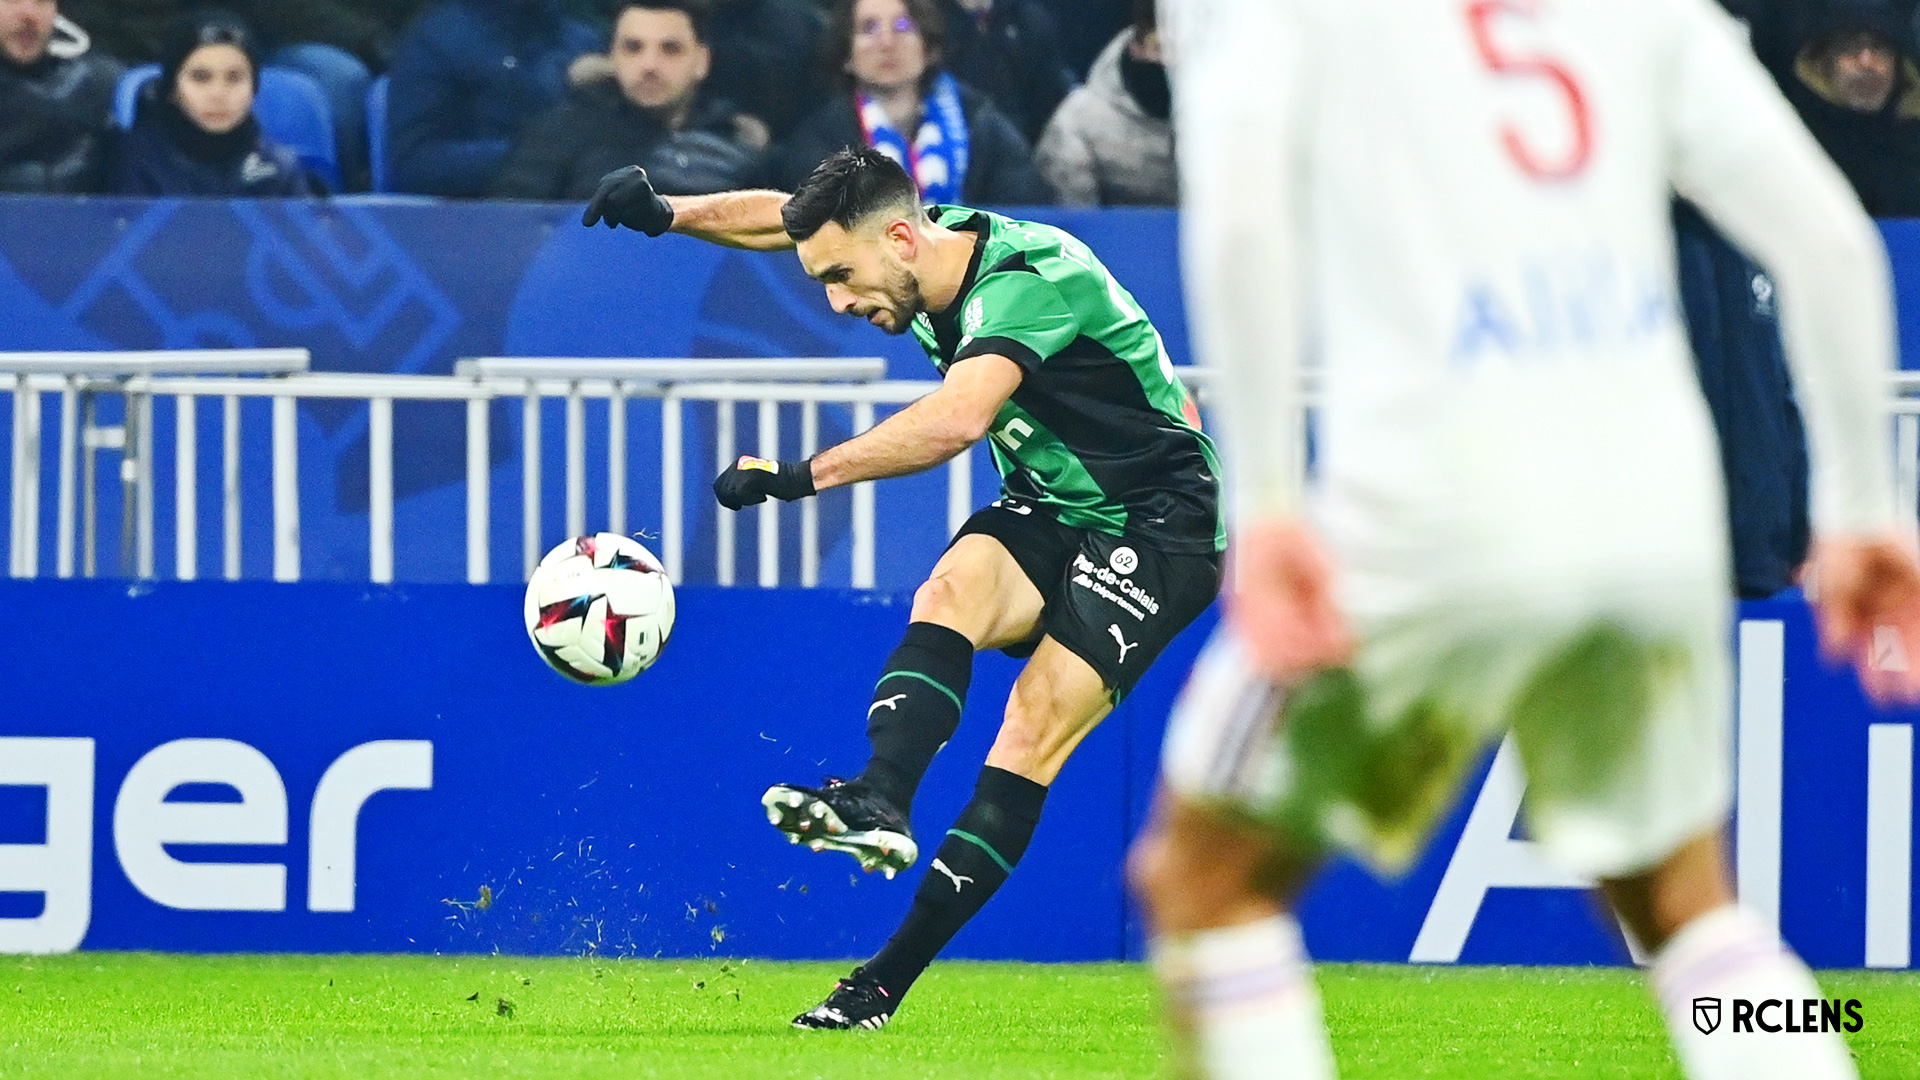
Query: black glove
{"points": [[626, 197], [750, 480]]}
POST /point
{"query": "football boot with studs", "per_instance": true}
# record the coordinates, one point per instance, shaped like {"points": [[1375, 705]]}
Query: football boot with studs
{"points": [[844, 815], [857, 1001]]}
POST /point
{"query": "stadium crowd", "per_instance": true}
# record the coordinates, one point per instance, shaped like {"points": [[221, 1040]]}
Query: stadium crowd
{"points": [[986, 101], [991, 101]]}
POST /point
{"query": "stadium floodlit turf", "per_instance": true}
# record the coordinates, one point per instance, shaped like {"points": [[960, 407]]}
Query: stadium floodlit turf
{"points": [[116, 1015]]}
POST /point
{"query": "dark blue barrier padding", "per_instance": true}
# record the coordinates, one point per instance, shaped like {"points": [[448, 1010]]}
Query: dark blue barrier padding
{"points": [[626, 820]]}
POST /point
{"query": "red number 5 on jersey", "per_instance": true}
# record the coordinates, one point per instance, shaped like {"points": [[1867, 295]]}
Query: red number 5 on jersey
{"points": [[1481, 15]]}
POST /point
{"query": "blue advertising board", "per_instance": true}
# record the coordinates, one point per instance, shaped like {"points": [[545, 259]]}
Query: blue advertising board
{"points": [[330, 767]]}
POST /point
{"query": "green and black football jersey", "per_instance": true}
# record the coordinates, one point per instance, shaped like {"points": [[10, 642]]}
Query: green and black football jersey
{"points": [[1100, 434]]}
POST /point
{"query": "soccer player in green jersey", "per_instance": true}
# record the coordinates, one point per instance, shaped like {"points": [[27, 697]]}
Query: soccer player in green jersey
{"points": [[1105, 541]]}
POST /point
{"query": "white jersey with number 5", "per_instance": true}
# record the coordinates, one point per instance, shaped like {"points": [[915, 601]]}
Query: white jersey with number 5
{"points": [[1458, 211]]}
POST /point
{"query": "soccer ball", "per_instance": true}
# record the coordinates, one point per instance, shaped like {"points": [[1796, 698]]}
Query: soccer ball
{"points": [[599, 609]]}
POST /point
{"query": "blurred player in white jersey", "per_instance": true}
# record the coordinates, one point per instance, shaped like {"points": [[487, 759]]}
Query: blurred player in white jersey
{"points": [[1458, 211]]}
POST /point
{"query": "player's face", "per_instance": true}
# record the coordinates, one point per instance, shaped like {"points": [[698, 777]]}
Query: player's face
{"points": [[657, 59], [866, 272]]}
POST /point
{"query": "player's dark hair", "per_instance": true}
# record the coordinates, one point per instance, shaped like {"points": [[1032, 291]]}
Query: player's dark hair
{"points": [[848, 188], [697, 12]]}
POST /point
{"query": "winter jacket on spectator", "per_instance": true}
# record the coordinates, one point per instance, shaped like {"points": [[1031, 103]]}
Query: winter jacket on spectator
{"points": [[1104, 146], [1735, 329], [166, 154], [1878, 149], [764, 56], [1000, 168], [564, 153], [1010, 52], [55, 121], [466, 77]]}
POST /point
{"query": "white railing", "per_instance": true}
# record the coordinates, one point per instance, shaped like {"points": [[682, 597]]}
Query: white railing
{"points": [[673, 383], [79, 379], [281, 376]]}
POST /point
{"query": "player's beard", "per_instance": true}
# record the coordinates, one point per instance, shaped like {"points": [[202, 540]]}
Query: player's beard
{"points": [[904, 300]]}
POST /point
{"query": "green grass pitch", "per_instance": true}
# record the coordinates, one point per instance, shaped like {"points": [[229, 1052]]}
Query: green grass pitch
{"points": [[117, 1015]]}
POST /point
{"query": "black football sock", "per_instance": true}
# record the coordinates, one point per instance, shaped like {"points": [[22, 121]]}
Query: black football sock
{"points": [[978, 853], [916, 708]]}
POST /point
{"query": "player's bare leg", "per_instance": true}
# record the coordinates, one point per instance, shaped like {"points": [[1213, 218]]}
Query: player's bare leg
{"points": [[1057, 700], [977, 597], [1219, 895], [1705, 946]]}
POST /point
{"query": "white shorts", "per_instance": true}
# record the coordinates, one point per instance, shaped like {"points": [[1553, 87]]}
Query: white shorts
{"points": [[1621, 709]]}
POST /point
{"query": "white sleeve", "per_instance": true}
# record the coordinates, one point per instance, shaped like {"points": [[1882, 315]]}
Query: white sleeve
{"points": [[1239, 69], [1740, 153]]}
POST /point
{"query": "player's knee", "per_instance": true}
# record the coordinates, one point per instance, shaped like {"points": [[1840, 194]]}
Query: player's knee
{"points": [[936, 597], [1181, 889], [1150, 872]]}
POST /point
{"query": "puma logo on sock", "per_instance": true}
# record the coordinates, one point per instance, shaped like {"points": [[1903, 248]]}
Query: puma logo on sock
{"points": [[957, 878], [891, 703]]}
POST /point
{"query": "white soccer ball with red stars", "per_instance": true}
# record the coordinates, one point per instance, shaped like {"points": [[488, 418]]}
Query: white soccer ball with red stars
{"points": [[599, 609]]}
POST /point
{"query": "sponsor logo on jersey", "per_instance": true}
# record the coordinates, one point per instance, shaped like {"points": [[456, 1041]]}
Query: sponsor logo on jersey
{"points": [[759, 463], [974, 314], [1124, 560], [1013, 434], [1114, 588], [1125, 645]]}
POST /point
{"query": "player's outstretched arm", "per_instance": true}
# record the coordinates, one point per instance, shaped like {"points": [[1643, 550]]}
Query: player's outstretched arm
{"points": [[928, 432], [741, 219]]}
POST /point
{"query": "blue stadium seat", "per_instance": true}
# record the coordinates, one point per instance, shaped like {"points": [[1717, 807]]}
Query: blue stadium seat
{"points": [[291, 107], [377, 132]]}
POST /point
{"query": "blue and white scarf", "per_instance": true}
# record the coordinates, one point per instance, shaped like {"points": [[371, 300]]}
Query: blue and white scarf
{"points": [[937, 157]]}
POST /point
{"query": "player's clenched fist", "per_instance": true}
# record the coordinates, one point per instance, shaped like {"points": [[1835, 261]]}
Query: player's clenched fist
{"points": [[626, 197], [750, 480]]}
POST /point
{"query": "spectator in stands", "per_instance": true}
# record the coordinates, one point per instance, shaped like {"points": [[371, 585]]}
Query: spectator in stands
{"points": [[765, 58], [1111, 142], [466, 76], [55, 110], [649, 110], [1848, 67], [195, 133], [895, 97], [1009, 50], [337, 43]]}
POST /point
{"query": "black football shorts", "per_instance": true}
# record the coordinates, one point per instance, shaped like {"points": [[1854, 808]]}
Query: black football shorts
{"points": [[1115, 602]]}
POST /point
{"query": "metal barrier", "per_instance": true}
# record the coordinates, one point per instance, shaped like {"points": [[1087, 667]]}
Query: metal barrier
{"points": [[187, 377], [80, 378], [282, 377]]}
